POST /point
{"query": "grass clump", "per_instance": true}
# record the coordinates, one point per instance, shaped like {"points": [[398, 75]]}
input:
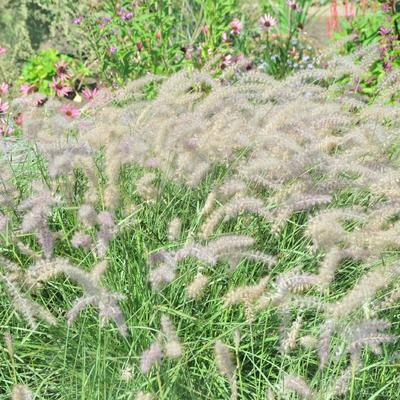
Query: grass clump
{"points": [[204, 245]]}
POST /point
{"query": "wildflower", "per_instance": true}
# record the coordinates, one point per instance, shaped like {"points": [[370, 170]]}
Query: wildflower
{"points": [[227, 61], [384, 31], [158, 35], [62, 69], [112, 50], [387, 66], [386, 8], [189, 52], [90, 94], [77, 20], [243, 62], [205, 29], [3, 107], [3, 50], [293, 5], [27, 89], [4, 88], [236, 26], [19, 119], [60, 88], [127, 16], [104, 21], [139, 45], [267, 22], [69, 110]]}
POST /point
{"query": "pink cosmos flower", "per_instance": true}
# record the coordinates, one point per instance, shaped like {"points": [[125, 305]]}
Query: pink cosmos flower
{"points": [[90, 94], [267, 22], [4, 88], [60, 88], [62, 70], [236, 26], [69, 110], [3, 107], [27, 89], [3, 50]]}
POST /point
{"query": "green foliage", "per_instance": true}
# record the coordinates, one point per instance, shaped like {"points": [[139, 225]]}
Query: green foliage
{"points": [[162, 37], [28, 25], [155, 36], [380, 28], [40, 69]]}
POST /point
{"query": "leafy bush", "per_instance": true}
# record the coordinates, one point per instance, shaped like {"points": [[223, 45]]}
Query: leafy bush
{"points": [[40, 70], [234, 240]]}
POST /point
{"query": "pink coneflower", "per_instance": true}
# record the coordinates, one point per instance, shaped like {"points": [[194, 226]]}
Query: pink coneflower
{"points": [[62, 70], [3, 50], [60, 88], [243, 62], [4, 88], [90, 94], [293, 5], [267, 22], [69, 110], [27, 89], [3, 107], [236, 26]]}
